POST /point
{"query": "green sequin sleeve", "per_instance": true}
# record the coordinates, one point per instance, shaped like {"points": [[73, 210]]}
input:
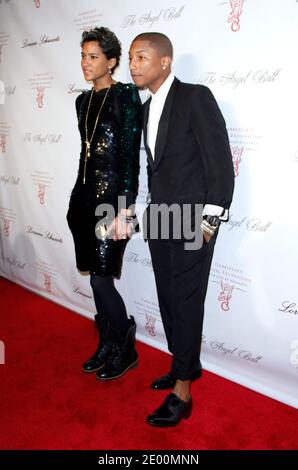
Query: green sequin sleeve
{"points": [[131, 129]]}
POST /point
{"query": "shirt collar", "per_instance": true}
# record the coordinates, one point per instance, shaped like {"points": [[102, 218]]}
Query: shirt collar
{"points": [[163, 90]]}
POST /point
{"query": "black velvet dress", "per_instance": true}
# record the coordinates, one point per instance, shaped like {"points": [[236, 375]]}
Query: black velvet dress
{"points": [[111, 170]]}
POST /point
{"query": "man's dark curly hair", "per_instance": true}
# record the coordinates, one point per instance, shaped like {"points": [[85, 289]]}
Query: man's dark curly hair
{"points": [[108, 42]]}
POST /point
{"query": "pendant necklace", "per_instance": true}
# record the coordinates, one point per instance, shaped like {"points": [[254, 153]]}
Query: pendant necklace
{"points": [[89, 141]]}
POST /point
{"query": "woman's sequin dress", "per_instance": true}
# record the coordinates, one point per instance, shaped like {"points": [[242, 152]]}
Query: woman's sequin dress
{"points": [[112, 170]]}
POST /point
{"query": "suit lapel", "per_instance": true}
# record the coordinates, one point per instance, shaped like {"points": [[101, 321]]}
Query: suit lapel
{"points": [[145, 124], [164, 124]]}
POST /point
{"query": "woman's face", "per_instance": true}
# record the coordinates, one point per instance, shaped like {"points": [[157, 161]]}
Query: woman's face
{"points": [[94, 63]]}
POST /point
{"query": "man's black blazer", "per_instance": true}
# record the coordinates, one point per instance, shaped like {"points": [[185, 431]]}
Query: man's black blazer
{"points": [[193, 162]]}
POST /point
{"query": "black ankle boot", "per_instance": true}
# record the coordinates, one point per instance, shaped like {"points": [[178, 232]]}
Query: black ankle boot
{"points": [[104, 348], [123, 356]]}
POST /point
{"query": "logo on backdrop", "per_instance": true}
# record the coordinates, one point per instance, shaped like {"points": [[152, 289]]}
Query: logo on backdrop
{"points": [[39, 96], [235, 13], [237, 79], [230, 280], [72, 88], [44, 39], [77, 290], [3, 42], [8, 217], [150, 325], [13, 262], [142, 195], [243, 141], [47, 282], [48, 274], [39, 83], [294, 354], [3, 143], [6, 227], [149, 18], [225, 295], [149, 310], [4, 134], [42, 180], [254, 224], [87, 20], [222, 348], [237, 154], [42, 138], [47, 234], [10, 90], [41, 192], [289, 307], [133, 257], [13, 180]]}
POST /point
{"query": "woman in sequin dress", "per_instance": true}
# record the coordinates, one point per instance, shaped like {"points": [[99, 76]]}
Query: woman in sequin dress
{"points": [[109, 121]]}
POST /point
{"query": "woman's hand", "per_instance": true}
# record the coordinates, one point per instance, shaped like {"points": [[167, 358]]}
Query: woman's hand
{"points": [[121, 227]]}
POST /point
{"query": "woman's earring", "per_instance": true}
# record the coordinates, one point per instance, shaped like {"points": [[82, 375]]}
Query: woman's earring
{"points": [[110, 71]]}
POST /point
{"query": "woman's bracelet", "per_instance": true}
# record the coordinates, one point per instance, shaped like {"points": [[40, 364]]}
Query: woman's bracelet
{"points": [[126, 218]]}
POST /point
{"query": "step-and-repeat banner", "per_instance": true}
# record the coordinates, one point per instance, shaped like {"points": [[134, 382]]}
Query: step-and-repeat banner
{"points": [[244, 52]]}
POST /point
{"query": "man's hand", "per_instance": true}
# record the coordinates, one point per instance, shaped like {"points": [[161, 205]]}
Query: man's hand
{"points": [[207, 236]]}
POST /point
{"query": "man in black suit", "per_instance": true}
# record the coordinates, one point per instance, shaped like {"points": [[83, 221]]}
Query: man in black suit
{"points": [[190, 166]]}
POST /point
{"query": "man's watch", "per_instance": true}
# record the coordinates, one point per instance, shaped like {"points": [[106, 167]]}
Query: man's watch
{"points": [[210, 224]]}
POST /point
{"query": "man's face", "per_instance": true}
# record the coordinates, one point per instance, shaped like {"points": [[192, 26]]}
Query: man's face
{"points": [[147, 67]]}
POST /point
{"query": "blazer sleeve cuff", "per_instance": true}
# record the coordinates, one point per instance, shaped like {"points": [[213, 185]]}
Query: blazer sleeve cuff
{"points": [[210, 209]]}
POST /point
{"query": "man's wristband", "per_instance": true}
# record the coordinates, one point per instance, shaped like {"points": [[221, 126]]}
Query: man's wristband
{"points": [[210, 224]]}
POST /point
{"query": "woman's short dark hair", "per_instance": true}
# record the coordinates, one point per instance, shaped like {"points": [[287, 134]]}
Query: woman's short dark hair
{"points": [[108, 42]]}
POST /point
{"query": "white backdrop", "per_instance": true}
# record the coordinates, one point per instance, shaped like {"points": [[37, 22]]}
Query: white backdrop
{"points": [[244, 51]]}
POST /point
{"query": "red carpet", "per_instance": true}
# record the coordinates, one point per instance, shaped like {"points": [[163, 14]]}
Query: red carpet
{"points": [[48, 403]]}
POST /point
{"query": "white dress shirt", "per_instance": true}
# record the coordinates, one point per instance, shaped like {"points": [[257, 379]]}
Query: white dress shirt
{"points": [[156, 107]]}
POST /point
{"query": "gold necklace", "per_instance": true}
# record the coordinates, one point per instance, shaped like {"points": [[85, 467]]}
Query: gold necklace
{"points": [[87, 141]]}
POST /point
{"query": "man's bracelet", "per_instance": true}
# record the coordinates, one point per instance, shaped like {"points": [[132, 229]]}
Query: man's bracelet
{"points": [[210, 224]]}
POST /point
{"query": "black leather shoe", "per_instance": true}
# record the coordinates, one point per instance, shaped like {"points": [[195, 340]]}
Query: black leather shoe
{"points": [[164, 382], [168, 381], [171, 412]]}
